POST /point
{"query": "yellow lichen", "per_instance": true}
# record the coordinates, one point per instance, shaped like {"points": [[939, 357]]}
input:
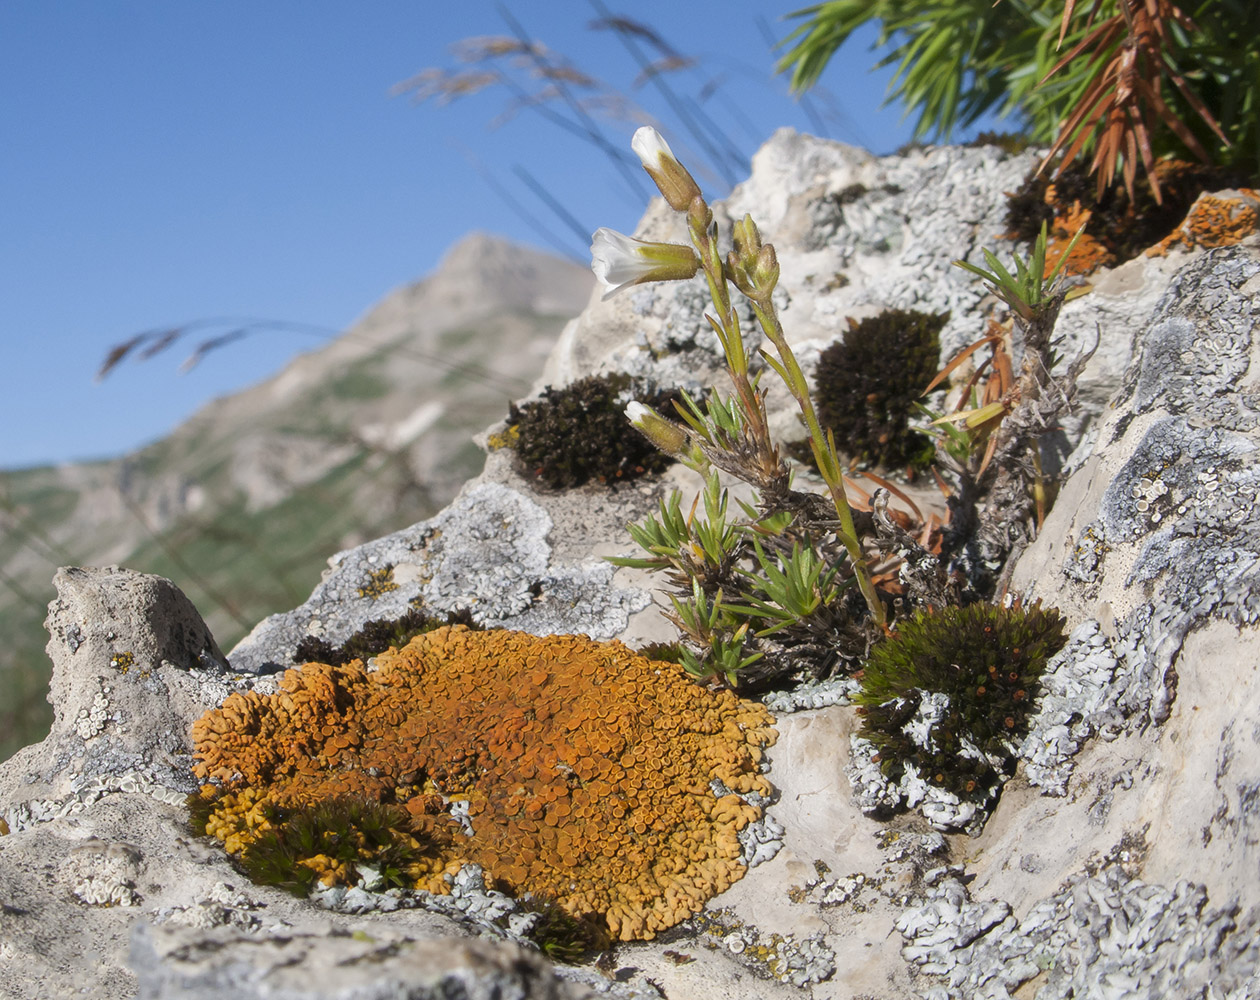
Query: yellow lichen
{"points": [[379, 582], [122, 662], [506, 438], [586, 768]]}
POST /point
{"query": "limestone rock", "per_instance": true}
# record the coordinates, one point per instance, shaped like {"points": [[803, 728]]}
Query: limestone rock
{"points": [[1120, 861], [334, 965], [96, 846], [131, 660], [489, 552]]}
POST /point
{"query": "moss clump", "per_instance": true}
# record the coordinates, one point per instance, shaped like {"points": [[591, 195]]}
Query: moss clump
{"points": [[377, 636], [330, 842], [866, 385], [580, 433], [987, 662], [560, 935]]}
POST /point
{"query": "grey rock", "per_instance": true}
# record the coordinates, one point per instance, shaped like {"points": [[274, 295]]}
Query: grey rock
{"points": [[487, 553], [337, 965], [131, 659]]}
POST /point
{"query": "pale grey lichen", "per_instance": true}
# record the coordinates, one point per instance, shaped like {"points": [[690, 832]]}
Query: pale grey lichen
{"points": [[909, 218], [1196, 353], [909, 859], [1103, 936], [760, 840], [469, 901], [485, 552], [1079, 698], [84, 792], [813, 694], [104, 873], [582, 594], [800, 962], [1203, 479], [878, 794], [224, 906], [206, 914], [101, 890], [90, 722]]}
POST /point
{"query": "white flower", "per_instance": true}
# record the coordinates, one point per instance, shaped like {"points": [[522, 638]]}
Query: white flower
{"points": [[675, 183], [665, 434], [650, 147], [620, 261]]}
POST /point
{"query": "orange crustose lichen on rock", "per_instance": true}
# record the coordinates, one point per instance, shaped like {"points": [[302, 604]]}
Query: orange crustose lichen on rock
{"points": [[586, 767], [1214, 221]]}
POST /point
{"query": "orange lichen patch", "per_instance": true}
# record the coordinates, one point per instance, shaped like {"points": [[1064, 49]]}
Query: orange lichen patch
{"points": [[586, 767], [1214, 221], [1088, 255], [330, 870]]}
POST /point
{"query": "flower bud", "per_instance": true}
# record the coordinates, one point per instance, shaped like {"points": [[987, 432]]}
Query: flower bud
{"points": [[620, 261], [668, 436], [747, 239], [699, 222], [665, 434], [737, 274], [675, 183], [765, 270]]}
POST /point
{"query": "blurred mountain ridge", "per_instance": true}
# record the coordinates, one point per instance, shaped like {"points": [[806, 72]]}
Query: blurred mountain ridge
{"points": [[243, 503]]}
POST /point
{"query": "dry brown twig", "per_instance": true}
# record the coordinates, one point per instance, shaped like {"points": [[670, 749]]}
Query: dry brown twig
{"points": [[1123, 101]]}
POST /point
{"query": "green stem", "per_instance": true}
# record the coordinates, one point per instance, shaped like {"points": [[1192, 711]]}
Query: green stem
{"points": [[733, 347], [824, 453]]}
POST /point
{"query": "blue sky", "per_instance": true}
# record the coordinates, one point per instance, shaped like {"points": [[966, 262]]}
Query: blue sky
{"points": [[167, 161]]}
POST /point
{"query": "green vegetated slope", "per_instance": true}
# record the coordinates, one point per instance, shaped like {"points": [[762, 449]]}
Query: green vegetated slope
{"points": [[243, 504]]}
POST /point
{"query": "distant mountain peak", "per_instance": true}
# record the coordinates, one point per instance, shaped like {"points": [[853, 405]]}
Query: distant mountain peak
{"points": [[489, 269]]}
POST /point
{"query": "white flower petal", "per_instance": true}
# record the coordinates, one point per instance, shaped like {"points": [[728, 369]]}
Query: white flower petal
{"points": [[651, 147], [617, 261], [636, 411]]}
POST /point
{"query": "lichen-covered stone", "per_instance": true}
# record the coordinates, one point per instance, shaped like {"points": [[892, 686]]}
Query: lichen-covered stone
{"points": [[586, 769], [1171, 538], [488, 554], [1215, 220], [1108, 935]]}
